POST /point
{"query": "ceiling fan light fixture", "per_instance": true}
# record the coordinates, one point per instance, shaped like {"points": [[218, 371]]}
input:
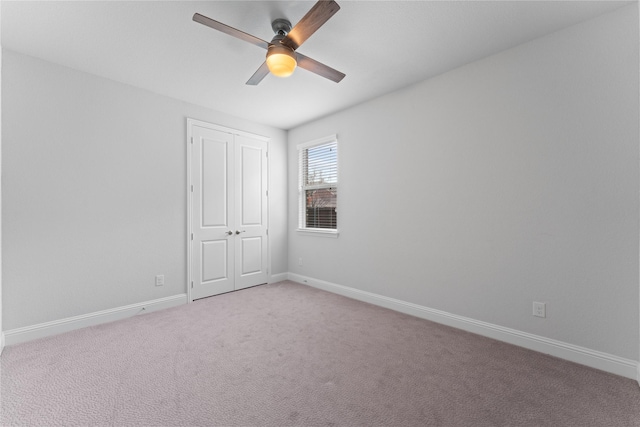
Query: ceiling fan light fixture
{"points": [[282, 57], [281, 60]]}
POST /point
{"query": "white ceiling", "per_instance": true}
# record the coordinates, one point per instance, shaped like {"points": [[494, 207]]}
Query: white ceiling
{"points": [[380, 45]]}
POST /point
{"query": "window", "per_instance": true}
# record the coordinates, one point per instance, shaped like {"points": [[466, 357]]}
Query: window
{"points": [[318, 185]]}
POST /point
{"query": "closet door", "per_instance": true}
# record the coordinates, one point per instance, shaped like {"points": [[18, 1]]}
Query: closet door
{"points": [[229, 249], [251, 212], [213, 205]]}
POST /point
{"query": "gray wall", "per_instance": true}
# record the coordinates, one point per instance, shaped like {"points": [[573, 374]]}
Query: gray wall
{"points": [[1, 334], [94, 192], [510, 180]]}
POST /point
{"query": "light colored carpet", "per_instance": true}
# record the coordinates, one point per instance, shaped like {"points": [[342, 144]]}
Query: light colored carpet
{"points": [[286, 354]]}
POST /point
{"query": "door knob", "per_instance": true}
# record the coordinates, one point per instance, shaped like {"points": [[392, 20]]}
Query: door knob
{"points": [[238, 231], [229, 232]]}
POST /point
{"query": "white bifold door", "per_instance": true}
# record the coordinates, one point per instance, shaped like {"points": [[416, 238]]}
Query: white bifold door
{"points": [[228, 210]]}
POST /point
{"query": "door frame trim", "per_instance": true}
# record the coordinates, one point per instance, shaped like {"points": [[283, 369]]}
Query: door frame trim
{"points": [[189, 144]]}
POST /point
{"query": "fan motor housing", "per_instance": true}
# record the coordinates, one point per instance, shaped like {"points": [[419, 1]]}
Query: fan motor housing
{"points": [[281, 26]]}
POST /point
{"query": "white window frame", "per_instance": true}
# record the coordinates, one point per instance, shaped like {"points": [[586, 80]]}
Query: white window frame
{"points": [[321, 232]]}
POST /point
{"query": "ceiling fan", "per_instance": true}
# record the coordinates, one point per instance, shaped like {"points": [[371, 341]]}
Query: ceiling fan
{"points": [[282, 57]]}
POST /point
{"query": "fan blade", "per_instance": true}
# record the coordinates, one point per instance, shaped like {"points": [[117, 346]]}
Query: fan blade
{"points": [[258, 75], [319, 68], [314, 19], [230, 30]]}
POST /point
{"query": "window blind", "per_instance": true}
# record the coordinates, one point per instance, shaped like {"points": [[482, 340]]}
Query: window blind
{"points": [[318, 177]]}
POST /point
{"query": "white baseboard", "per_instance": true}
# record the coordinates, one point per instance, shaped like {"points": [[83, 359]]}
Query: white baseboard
{"points": [[278, 277], [28, 333], [584, 356]]}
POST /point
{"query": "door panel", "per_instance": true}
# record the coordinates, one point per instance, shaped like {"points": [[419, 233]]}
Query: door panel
{"points": [[251, 255], [214, 186], [251, 182], [213, 208], [251, 212], [214, 260]]}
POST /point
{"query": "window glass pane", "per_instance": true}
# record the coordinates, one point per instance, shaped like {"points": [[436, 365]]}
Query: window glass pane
{"points": [[320, 208], [320, 164]]}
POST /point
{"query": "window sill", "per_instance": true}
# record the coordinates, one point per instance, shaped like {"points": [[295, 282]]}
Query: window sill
{"points": [[319, 233]]}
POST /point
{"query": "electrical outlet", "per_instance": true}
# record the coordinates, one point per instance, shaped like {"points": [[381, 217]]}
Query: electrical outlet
{"points": [[160, 280], [300, 261], [539, 309]]}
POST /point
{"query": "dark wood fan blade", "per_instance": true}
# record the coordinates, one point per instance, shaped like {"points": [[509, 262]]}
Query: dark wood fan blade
{"points": [[230, 30], [258, 75], [314, 19], [319, 68]]}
